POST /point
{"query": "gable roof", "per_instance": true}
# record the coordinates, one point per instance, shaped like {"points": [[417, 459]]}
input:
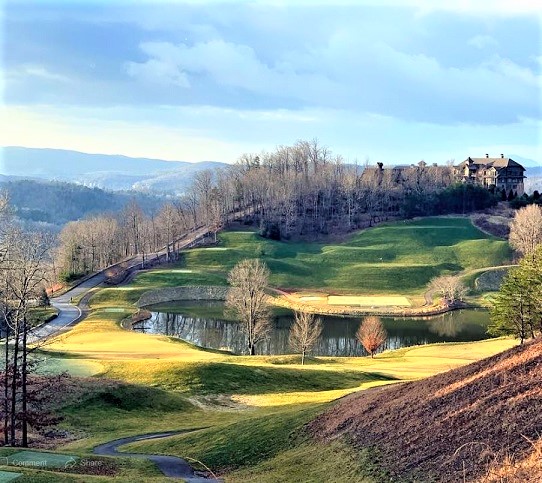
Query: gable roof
{"points": [[493, 162]]}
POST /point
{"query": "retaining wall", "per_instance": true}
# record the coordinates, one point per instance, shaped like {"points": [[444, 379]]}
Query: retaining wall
{"points": [[491, 280], [171, 294]]}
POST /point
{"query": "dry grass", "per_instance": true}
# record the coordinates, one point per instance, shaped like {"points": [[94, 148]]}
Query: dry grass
{"points": [[478, 415], [527, 469], [369, 301]]}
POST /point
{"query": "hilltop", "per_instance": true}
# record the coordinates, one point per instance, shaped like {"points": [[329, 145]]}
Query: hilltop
{"points": [[478, 420]]}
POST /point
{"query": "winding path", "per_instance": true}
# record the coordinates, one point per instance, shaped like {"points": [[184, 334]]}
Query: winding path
{"points": [[170, 466], [70, 314]]}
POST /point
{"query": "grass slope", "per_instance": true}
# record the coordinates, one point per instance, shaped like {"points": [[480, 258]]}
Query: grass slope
{"points": [[396, 257], [479, 416]]}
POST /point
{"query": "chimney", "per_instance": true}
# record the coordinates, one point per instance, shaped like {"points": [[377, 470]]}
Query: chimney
{"points": [[487, 155], [502, 155]]}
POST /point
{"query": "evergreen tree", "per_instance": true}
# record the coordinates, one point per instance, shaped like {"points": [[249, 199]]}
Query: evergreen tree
{"points": [[517, 308]]}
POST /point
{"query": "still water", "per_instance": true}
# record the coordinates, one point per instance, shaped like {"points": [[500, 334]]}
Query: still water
{"points": [[203, 323]]}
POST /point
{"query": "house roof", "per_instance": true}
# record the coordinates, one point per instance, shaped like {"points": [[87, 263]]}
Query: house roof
{"points": [[495, 162]]}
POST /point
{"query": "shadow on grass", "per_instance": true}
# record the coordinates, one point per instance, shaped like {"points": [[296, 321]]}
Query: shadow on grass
{"points": [[231, 378]]}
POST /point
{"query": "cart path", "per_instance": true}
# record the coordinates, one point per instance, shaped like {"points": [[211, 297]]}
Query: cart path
{"points": [[70, 313], [170, 466]]}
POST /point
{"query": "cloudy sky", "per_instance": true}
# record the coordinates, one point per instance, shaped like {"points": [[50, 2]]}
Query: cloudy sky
{"points": [[392, 81]]}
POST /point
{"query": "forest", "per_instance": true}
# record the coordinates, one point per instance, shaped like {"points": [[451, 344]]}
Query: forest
{"points": [[58, 202], [300, 191]]}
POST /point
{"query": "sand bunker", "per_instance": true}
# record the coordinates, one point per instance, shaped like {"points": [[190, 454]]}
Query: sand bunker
{"points": [[371, 301]]}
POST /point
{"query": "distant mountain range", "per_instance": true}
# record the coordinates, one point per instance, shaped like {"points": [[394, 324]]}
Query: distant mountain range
{"points": [[120, 173], [533, 172], [112, 172]]}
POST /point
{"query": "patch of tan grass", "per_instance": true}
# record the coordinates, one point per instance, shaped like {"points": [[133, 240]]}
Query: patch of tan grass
{"points": [[286, 398], [526, 470], [369, 301]]}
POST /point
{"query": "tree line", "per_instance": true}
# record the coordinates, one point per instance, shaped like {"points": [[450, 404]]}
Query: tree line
{"points": [[56, 203], [299, 190]]}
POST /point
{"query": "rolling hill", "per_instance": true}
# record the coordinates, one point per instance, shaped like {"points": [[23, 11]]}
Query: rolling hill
{"points": [[480, 422]]}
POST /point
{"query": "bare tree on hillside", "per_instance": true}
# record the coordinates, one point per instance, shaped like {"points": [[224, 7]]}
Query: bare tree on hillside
{"points": [[371, 334], [23, 276], [247, 300], [450, 287], [304, 333], [526, 229]]}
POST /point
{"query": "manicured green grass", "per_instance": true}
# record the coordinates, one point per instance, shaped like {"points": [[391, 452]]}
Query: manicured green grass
{"points": [[228, 378], [40, 315], [334, 461], [41, 459], [241, 443], [243, 415], [176, 277], [397, 257]]}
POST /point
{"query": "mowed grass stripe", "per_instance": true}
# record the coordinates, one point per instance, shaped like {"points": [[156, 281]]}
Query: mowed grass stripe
{"points": [[397, 258]]}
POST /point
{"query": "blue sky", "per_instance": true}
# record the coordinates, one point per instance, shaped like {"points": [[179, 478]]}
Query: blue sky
{"points": [[392, 81]]}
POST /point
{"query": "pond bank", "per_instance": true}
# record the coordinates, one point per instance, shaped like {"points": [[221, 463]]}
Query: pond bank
{"points": [[288, 301]]}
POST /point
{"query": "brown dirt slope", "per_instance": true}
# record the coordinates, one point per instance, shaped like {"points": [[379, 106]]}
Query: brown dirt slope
{"points": [[463, 425]]}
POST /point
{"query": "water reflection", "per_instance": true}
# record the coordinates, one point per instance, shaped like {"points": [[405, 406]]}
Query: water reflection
{"points": [[338, 335]]}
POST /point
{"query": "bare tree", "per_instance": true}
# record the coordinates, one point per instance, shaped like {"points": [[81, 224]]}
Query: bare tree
{"points": [[450, 287], [526, 229], [371, 334], [247, 300], [23, 276], [304, 333]]}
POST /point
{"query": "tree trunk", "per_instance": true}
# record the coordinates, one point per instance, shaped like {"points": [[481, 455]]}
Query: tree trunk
{"points": [[6, 388], [303, 358], [15, 370], [24, 392]]}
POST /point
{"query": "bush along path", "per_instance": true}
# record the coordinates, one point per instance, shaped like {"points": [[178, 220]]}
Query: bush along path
{"points": [[170, 466]]}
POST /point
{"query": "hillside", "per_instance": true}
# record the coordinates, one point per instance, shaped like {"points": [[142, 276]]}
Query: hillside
{"points": [[113, 172], [463, 424], [398, 257], [58, 202]]}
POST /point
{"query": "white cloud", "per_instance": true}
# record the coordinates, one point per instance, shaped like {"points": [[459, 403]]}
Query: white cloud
{"points": [[39, 72], [350, 73], [159, 71], [483, 41], [228, 64]]}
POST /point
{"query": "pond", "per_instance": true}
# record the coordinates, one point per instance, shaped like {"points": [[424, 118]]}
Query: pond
{"points": [[203, 323]]}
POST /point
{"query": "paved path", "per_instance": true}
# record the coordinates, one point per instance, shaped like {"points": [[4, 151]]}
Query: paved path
{"points": [[70, 314], [170, 466]]}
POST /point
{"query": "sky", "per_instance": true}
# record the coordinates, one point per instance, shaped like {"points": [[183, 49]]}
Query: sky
{"points": [[390, 81]]}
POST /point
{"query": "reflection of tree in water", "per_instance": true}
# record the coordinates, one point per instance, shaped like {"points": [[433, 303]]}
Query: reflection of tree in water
{"points": [[446, 325], [337, 339]]}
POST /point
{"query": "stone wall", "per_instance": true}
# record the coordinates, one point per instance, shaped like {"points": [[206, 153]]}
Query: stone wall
{"points": [[171, 294], [490, 280]]}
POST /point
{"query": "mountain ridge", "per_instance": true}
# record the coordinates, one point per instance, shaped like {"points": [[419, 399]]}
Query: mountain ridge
{"points": [[105, 171]]}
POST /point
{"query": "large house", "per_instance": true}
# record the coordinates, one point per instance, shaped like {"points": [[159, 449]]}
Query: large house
{"points": [[492, 173]]}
